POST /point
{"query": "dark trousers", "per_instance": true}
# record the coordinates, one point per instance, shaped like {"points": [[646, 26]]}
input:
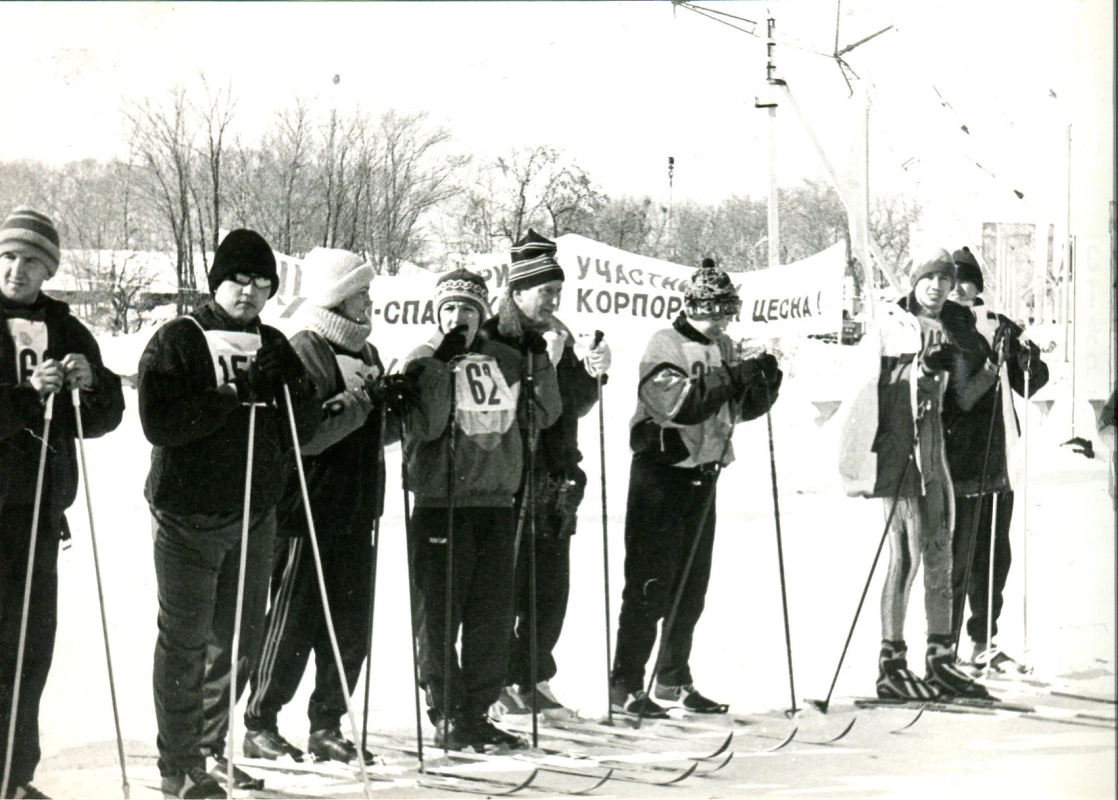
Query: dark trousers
{"points": [[42, 622], [197, 559], [296, 625], [661, 518], [481, 605], [965, 508], [553, 584]]}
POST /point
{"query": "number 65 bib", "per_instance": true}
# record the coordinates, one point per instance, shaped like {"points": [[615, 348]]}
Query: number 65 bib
{"points": [[483, 401]]}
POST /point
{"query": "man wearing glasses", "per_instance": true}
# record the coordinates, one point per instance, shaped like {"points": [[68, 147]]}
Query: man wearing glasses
{"points": [[199, 377], [693, 390]]}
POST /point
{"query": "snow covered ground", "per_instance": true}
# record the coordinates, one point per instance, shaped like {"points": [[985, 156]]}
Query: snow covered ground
{"points": [[829, 542]]}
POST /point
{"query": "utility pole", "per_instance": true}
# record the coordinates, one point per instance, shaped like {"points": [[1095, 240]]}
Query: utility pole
{"points": [[671, 230], [773, 82]]}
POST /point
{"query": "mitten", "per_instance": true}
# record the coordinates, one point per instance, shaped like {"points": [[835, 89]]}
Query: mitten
{"points": [[453, 344]]}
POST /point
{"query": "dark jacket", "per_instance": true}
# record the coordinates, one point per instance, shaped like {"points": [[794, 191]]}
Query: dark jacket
{"points": [[22, 413], [344, 462], [200, 435]]}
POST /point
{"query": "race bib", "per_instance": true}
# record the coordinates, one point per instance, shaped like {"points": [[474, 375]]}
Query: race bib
{"points": [[355, 371], [30, 337], [231, 352], [484, 402]]}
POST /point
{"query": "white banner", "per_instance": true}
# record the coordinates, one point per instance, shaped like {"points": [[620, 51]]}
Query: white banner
{"points": [[606, 289]]}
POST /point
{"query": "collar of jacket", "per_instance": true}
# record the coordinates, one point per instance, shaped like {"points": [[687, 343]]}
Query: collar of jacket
{"points": [[511, 323], [213, 316], [688, 330], [42, 308]]}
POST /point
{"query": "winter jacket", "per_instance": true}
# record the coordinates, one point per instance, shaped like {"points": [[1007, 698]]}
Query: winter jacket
{"points": [[343, 462], [967, 431], [892, 393], [687, 403], [488, 458], [22, 413], [200, 435], [557, 456]]}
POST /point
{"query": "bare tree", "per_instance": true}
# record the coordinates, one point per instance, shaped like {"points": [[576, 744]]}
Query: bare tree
{"points": [[891, 221], [216, 113]]}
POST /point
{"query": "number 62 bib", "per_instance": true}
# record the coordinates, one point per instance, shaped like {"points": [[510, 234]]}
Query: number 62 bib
{"points": [[483, 401]]}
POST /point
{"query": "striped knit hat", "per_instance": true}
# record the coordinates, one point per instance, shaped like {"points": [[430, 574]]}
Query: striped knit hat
{"points": [[35, 230], [533, 262], [463, 286]]}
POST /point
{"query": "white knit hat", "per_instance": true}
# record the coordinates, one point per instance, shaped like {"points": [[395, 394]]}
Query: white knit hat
{"points": [[330, 276]]}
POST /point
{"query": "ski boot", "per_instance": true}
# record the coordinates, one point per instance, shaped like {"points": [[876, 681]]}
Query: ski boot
{"points": [[268, 744], [546, 702], [635, 704], [945, 677], [688, 698], [328, 744], [894, 679]]}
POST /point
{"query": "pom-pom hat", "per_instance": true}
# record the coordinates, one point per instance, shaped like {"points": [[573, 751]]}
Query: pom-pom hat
{"points": [[29, 227], [967, 268], [711, 293], [462, 286], [935, 262], [243, 251], [533, 262], [330, 276]]}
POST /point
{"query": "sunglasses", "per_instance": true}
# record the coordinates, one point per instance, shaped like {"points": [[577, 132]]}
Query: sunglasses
{"points": [[259, 281]]}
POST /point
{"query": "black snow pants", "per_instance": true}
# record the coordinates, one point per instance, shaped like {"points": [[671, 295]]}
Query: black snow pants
{"points": [[663, 510], [297, 626], [965, 508]]}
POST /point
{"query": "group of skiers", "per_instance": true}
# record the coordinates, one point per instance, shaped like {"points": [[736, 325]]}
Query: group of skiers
{"points": [[267, 482]]}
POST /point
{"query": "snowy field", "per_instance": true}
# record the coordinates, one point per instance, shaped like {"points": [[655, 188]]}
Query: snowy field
{"points": [[739, 657]]}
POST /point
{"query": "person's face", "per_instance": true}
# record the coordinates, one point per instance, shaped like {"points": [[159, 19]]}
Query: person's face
{"points": [[22, 272], [457, 312], [241, 296], [964, 293], [931, 291], [711, 326], [539, 303], [357, 306]]}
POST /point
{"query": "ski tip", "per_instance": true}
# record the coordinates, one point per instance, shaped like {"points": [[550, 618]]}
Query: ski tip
{"points": [[911, 722]]}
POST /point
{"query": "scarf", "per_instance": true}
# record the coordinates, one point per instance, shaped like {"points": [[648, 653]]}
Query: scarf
{"points": [[345, 333]]}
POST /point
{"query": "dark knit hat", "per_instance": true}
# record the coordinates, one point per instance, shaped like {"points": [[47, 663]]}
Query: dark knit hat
{"points": [[533, 262], [936, 261], [35, 230], [967, 268], [711, 292], [246, 252], [463, 286]]}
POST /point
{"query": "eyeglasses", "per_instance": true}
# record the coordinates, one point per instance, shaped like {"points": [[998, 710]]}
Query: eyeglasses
{"points": [[259, 281]]}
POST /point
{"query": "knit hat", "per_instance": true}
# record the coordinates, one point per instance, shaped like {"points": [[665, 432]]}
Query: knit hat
{"points": [[462, 286], [966, 268], [936, 261], [533, 262], [35, 230], [330, 276], [710, 293], [246, 252]]}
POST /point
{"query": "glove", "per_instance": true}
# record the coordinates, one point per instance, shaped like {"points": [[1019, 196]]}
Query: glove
{"points": [[1006, 334], [277, 362], [532, 342], [253, 386], [399, 393], [598, 360], [1027, 354], [940, 356], [762, 368], [453, 344]]}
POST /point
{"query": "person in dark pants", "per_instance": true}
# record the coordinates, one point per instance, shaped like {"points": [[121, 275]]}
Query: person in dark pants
{"points": [[344, 469], [45, 352], [465, 433], [198, 377], [966, 434], [534, 288], [693, 389]]}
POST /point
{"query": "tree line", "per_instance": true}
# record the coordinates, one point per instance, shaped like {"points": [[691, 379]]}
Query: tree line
{"points": [[393, 187]]}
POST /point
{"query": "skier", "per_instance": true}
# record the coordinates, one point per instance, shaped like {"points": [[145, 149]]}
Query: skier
{"points": [[465, 427], [344, 471], [892, 448], [44, 351], [966, 433], [534, 288], [693, 390], [198, 377]]}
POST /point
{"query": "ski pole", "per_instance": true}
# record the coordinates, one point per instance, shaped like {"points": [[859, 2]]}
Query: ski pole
{"points": [[981, 490], [530, 501], [669, 621], [379, 480], [76, 398], [245, 511], [1025, 533], [321, 588], [994, 503], [48, 414], [824, 704], [780, 551], [448, 606], [598, 336], [411, 593]]}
